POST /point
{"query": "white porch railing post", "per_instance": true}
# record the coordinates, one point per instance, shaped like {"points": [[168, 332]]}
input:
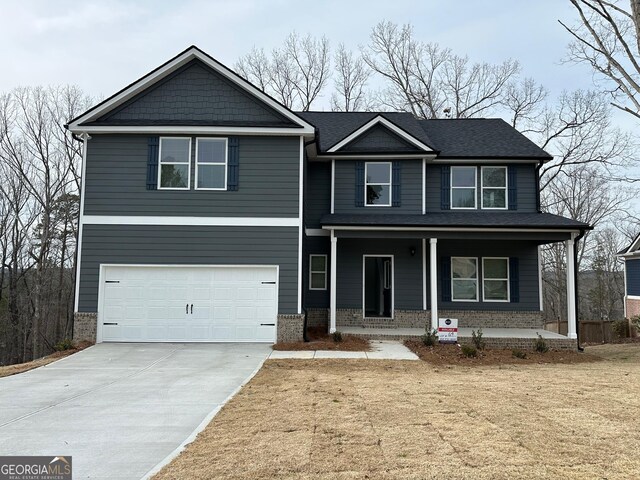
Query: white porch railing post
{"points": [[571, 289], [433, 278], [334, 276]]}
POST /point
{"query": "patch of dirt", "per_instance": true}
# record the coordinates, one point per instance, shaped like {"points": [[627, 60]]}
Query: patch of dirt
{"points": [[351, 419], [319, 339], [8, 370], [452, 355]]}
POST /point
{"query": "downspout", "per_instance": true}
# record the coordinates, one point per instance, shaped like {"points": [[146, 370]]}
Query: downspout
{"points": [[575, 279]]}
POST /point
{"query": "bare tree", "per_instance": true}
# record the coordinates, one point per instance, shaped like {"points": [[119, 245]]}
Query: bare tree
{"points": [[295, 74], [607, 37], [352, 74], [430, 81]]}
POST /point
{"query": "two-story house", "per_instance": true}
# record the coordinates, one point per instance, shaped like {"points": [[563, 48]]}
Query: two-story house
{"points": [[210, 212]]}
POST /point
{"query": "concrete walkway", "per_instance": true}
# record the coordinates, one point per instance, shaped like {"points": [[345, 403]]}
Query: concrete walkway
{"points": [[380, 350], [119, 409]]}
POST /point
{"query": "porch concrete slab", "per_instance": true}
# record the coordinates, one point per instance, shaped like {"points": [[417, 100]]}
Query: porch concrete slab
{"points": [[120, 409], [462, 332], [390, 350]]}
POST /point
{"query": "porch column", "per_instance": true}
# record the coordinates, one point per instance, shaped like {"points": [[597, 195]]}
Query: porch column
{"points": [[433, 269], [332, 293], [571, 289]]}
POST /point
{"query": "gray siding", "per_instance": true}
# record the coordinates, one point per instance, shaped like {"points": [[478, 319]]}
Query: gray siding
{"points": [[116, 179], [195, 94], [633, 277], [379, 139], [189, 245], [527, 253], [410, 189], [526, 178], [315, 246], [317, 194], [407, 271]]}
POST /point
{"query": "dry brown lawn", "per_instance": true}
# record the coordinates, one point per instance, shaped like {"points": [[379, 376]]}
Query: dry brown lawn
{"points": [[356, 419], [8, 370]]}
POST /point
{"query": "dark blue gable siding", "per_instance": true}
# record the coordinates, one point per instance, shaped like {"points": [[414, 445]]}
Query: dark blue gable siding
{"points": [[633, 277]]}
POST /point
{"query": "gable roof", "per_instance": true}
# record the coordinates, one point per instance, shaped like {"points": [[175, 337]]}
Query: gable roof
{"points": [[120, 99], [480, 138], [632, 248], [336, 127]]}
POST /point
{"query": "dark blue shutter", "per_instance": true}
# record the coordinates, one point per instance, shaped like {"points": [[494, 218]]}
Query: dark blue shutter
{"points": [[152, 163], [513, 187], [514, 279], [233, 164], [445, 187], [395, 184], [445, 278], [359, 184]]}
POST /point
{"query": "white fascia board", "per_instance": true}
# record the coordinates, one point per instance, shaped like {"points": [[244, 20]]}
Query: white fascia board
{"points": [[390, 125], [480, 161], [377, 156], [171, 66], [450, 229], [195, 130], [192, 221]]}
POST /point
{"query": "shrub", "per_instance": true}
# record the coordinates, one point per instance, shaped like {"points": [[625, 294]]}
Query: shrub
{"points": [[66, 344], [337, 336], [516, 352], [476, 338], [541, 345], [469, 351], [621, 328], [635, 321], [430, 338]]}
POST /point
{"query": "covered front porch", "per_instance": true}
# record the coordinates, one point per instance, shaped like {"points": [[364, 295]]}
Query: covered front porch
{"points": [[395, 282]]}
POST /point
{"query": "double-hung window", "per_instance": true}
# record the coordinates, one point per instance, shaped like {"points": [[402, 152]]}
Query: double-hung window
{"points": [[211, 163], [463, 187], [494, 187], [377, 187], [317, 272], [175, 163], [495, 279], [464, 279]]}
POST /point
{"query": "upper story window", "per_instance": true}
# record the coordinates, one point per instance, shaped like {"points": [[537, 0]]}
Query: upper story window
{"points": [[377, 184], [175, 163], [494, 187], [211, 163], [463, 187]]}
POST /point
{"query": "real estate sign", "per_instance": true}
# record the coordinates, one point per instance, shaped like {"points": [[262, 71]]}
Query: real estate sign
{"points": [[448, 330]]}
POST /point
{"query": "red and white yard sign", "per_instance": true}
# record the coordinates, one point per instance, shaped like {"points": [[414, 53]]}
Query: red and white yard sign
{"points": [[448, 330]]}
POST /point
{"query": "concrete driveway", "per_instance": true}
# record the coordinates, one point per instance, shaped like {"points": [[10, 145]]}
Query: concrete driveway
{"points": [[119, 409]]}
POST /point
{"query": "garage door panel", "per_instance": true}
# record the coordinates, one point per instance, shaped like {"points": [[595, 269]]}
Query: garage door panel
{"points": [[229, 304]]}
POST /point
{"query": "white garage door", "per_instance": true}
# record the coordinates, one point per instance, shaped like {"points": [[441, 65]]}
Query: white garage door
{"points": [[188, 304]]}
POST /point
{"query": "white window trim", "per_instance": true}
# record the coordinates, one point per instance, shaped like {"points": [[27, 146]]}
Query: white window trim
{"points": [[390, 184], [477, 299], [505, 188], [226, 163], [393, 283], [475, 189], [498, 279], [160, 187], [311, 271]]}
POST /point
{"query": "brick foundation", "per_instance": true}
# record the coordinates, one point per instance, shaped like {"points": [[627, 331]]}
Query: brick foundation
{"points": [[318, 317], [85, 326], [633, 307], [290, 328]]}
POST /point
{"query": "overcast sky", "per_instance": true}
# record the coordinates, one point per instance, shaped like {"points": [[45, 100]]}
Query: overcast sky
{"points": [[102, 46]]}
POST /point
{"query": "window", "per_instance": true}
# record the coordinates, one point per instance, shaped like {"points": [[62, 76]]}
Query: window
{"points": [[175, 163], [377, 184], [211, 164], [463, 187], [494, 187], [495, 279], [464, 279], [317, 272]]}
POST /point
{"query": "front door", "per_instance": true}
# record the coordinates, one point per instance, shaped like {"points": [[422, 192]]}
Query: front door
{"points": [[378, 286]]}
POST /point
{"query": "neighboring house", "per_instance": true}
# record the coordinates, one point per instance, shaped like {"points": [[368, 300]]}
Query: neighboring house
{"points": [[210, 212], [631, 257]]}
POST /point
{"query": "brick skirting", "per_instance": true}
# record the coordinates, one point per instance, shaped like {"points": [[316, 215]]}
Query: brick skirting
{"points": [[85, 326], [290, 328], [633, 307]]}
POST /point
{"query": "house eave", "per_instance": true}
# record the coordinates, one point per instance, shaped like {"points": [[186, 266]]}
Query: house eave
{"points": [[192, 130]]}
